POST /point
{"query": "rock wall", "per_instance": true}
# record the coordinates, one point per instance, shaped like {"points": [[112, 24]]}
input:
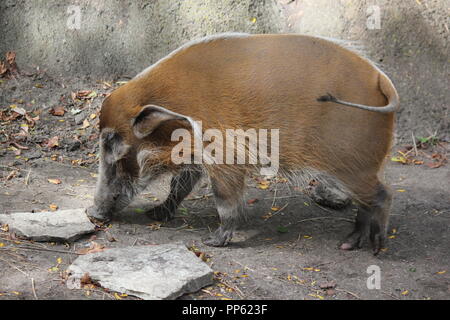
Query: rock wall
{"points": [[111, 38], [117, 37]]}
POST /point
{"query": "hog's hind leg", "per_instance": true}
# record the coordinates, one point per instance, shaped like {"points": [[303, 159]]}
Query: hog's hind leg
{"points": [[371, 222]]}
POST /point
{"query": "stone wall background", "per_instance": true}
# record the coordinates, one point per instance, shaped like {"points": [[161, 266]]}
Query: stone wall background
{"points": [[119, 38]]}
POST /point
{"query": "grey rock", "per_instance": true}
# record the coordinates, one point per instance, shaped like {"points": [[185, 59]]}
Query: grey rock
{"points": [[61, 225], [158, 272]]}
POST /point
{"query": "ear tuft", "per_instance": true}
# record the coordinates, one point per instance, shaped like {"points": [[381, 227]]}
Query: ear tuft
{"points": [[150, 118]]}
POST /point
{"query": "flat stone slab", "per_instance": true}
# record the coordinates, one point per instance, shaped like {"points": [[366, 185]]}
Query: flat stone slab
{"points": [[155, 272], [60, 226]]}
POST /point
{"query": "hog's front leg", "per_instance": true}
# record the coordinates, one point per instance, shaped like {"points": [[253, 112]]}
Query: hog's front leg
{"points": [[228, 192], [180, 187]]}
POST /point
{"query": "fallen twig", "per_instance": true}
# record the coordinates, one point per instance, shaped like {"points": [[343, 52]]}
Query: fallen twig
{"points": [[274, 196], [40, 249], [349, 292], [390, 295], [319, 218], [33, 289], [233, 287], [27, 178], [414, 144]]}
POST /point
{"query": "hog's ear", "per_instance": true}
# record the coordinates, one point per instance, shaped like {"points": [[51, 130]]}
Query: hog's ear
{"points": [[113, 147], [151, 117]]}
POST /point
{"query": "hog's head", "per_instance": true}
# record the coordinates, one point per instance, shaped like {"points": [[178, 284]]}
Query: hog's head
{"points": [[135, 147]]}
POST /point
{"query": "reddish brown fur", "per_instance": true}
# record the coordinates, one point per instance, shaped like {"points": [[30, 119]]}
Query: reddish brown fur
{"points": [[271, 81]]}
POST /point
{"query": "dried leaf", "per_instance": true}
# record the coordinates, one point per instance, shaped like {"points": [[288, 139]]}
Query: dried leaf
{"points": [[267, 216], [327, 285], [439, 160], [3, 68], [11, 175], [86, 279], [93, 94], [109, 237], [263, 186], [84, 95], [10, 65], [11, 57], [58, 111], [52, 142], [54, 181], [23, 129], [94, 247], [85, 124], [154, 226], [18, 110], [399, 159], [31, 121]]}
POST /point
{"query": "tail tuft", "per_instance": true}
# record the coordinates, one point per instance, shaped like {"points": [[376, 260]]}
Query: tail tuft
{"points": [[327, 98]]}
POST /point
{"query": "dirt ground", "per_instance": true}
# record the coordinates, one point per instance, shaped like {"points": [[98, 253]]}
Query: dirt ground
{"points": [[49, 131]]}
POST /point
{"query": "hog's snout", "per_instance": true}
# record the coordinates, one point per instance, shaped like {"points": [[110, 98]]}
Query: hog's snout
{"points": [[95, 212]]}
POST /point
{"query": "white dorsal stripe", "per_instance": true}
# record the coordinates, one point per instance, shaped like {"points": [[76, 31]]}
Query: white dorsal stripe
{"points": [[194, 42]]}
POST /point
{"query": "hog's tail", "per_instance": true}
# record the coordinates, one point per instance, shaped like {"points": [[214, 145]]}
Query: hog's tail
{"points": [[386, 87]]}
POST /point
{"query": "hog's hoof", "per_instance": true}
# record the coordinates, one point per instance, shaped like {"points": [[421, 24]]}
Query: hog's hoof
{"points": [[354, 240], [96, 217], [162, 213], [357, 238], [218, 238], [377, 237]]}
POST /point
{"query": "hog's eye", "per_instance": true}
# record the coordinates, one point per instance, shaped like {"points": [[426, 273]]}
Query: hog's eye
{"points": [[114, 146]]}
